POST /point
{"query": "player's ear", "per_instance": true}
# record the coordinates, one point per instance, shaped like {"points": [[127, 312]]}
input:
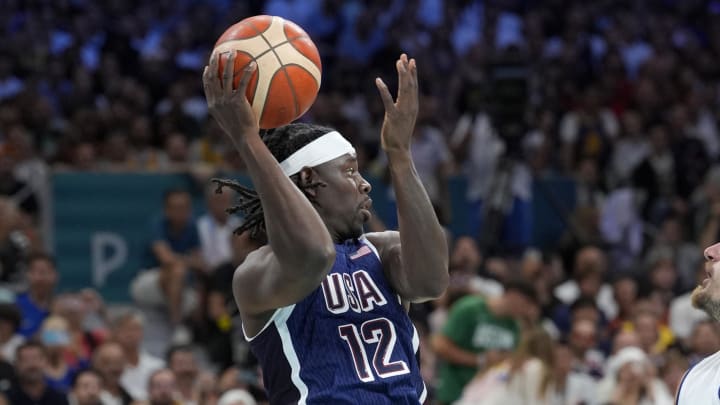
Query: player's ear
{"points": [[306, 177]]}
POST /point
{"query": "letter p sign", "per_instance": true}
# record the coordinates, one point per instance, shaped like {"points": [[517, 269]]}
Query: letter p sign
{"points": [[109, 253]]}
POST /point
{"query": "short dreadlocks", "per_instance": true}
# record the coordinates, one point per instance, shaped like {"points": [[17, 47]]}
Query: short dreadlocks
{"points": [[282, 142]]}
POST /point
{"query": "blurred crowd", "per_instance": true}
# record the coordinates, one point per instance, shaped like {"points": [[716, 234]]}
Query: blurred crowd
{"points": [[618, 97]]}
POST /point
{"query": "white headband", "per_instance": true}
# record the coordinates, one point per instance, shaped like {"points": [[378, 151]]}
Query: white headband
{"points": [[324, 149]]}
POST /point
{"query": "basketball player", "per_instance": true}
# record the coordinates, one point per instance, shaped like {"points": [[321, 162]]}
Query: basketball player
{"points": [[324, 305], [701, 384]]}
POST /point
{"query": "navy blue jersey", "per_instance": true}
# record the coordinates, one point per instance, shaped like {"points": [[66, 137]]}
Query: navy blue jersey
{"points": [[349, 342]]}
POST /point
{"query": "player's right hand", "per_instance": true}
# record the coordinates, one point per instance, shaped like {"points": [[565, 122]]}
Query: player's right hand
{"points": [[229, 106]]}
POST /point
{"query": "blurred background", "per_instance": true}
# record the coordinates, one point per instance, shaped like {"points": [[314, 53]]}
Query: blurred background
{"points": [[571, 145]]}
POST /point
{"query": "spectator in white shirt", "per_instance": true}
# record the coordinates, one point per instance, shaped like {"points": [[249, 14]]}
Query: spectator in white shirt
{"points": [[109, 361], [588, 276], [633, 378], [572, 387], [128, 331], [629, 150], [683, 316], [216, 227]]}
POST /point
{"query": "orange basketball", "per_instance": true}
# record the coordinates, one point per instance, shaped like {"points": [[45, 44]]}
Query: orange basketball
{"points": [[287, 78]]}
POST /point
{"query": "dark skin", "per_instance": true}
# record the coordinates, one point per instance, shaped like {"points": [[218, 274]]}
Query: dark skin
{"points": [[292, 265]]}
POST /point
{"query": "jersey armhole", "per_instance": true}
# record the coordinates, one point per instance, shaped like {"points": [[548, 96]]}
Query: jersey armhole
{"points": [[272, 319]]}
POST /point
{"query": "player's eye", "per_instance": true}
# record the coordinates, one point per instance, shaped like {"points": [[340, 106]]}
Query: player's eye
{"points": [[350, 170]]}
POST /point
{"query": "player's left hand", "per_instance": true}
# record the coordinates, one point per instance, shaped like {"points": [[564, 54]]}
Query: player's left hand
{"points": [[400, 114]]}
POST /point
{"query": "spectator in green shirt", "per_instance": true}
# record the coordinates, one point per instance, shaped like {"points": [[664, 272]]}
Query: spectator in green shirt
{"points": [[481, 332]]}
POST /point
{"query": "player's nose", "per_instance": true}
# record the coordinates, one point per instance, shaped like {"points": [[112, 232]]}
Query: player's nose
{"points": [[712, 253], [365, 187]]}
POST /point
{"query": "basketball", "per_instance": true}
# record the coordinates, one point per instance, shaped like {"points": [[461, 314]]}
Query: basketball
{"points": [[287, 78]]}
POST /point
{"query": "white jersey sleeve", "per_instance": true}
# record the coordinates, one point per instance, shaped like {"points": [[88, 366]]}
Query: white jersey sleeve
{"points": [[701, 384]]}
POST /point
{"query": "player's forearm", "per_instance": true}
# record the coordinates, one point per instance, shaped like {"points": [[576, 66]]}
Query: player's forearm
{"points": [[289, 216], [423, 243]]}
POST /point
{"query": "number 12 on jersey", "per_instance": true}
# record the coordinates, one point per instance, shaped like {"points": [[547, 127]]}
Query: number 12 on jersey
{"points": [[381, 333]]}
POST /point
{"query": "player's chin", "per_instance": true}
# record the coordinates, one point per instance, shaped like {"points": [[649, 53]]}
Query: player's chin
{"points": [[358, 228], [699, 296], [365, 215]]}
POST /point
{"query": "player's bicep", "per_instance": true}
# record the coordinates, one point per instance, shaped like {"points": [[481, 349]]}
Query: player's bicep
{"points": [[260, 284], [395, 272], [389, 249]]}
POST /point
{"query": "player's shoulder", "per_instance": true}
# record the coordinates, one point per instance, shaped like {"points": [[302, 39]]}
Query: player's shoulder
{"points": [[256, 260], [383, 239], [710, 362], [387, 244], [698, 375]]}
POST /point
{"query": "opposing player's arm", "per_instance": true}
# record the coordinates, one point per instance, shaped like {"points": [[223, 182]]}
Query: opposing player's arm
{"points": [[294, 263], [416, 259]]}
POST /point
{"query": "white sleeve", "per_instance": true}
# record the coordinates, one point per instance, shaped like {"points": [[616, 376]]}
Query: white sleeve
{"points": [[569, 127], [680, 324], [610, 124], [443, 150], [531, 376], [461, 128], [661, 395]]}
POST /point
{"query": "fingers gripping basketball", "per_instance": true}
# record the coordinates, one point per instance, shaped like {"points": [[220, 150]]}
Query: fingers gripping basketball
{"points": [[288, 74]]}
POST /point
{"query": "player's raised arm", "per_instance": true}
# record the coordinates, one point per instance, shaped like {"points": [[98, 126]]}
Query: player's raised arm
{"points": [[416, 260], [300, 251]]}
